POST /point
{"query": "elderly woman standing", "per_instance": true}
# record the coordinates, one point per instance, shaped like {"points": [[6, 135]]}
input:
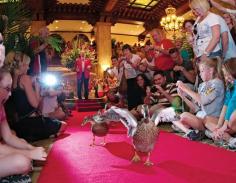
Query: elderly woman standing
{"points": [[206, 30]]}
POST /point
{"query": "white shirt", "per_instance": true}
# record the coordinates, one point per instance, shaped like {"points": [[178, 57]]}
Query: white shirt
{"points": [[204, 34], [130, 72]]}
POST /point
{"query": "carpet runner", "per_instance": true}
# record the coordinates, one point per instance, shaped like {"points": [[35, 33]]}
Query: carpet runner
{"points": [[177, 160], [90, 105]]}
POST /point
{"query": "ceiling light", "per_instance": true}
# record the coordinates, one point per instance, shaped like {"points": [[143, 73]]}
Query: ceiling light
{"points": [[146, 4], [171, 22]]}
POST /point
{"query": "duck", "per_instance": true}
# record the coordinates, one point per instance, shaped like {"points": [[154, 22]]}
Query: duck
{"points": [[144, 133], [100, 124]]}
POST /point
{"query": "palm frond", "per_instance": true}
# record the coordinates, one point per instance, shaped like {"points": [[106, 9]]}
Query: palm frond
{"points": [[14, 22]]}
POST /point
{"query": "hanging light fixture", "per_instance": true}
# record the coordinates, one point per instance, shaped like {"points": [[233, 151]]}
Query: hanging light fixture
{"points": [[171, 22]]}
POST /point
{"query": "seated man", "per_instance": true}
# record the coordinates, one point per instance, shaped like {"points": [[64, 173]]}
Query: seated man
{"points": [[183, 69], [160, 95]]}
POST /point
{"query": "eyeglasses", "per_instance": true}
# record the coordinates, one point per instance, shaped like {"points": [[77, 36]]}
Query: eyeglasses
{"points": [[8, 89]]}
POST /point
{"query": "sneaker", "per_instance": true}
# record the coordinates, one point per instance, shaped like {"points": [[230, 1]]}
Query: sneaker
{"points": [[232, 143], [209, 134], [196, 135], [176, 128], [16, 179]]}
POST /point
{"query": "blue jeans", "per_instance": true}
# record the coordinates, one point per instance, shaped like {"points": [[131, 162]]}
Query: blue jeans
{"points": [[80, 83]]}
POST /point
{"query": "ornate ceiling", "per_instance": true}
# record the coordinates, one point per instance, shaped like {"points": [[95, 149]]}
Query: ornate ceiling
{"points": [[147, 11]]}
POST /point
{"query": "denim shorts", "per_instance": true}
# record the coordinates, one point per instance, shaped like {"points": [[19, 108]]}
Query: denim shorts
{"points": [[211, 55], [215, 54]]}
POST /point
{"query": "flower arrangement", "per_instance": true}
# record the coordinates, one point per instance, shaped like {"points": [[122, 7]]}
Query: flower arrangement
{"points": [[72, 52]]}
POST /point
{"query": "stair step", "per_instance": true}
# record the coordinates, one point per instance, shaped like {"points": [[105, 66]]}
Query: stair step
{"points": [[84, 109], [90, 100], [91, 105]]}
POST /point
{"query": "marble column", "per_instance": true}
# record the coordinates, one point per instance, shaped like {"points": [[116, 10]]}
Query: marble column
{"points": [[104, 50]]}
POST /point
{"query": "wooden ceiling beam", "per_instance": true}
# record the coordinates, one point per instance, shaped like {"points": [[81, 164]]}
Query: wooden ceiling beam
{"points": [[183, 9], [110, 5]]}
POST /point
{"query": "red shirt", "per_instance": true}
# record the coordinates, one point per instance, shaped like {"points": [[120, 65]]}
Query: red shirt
{"points": [[164, 62]]}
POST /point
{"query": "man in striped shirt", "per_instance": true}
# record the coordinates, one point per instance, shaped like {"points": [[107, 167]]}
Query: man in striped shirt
{"points": [[161, 94]]}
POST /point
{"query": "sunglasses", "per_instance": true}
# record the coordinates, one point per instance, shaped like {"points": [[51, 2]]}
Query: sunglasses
{"points": [[195, 29]]}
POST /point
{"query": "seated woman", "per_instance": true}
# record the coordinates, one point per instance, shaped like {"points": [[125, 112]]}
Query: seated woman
{"points": [[210, 97], [26, 97], [50, 107], [114, 99], [142, 83], [224, 127], [15, 153]]}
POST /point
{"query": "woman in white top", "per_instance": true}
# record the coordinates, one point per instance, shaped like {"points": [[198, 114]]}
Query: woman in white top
{"points": [[206, 30]]}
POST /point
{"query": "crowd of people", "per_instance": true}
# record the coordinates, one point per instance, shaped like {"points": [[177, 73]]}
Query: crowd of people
{"points": [[199, 81]]}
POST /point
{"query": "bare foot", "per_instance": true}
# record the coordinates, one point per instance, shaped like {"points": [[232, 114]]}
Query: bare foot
{"points": [[38, 153], [63, 128]]}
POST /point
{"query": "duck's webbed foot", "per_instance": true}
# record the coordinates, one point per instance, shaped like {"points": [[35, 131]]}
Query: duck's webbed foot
{"points": [[136, 158], [148, 162], [104, 142], [93, 143]]}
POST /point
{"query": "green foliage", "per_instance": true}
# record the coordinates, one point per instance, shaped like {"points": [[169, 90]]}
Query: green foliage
{"points": [[14, 22], [72, 52], [55, 43]]}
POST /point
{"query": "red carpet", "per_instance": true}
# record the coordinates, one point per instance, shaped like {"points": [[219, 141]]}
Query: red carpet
{"points": [[176, 159]]}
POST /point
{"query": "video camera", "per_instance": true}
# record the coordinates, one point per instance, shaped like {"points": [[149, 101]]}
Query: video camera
{"points": [[153, 89], [49, 80]]}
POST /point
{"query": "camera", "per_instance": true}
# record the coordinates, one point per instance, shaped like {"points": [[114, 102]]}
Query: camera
{"points": [[153, 89], [49, 80]]}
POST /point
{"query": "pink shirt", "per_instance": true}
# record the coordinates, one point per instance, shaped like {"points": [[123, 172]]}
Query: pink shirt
{"points": [[2, 114]]}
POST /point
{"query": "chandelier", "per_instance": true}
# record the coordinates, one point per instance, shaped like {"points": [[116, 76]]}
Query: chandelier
{"points": [[171, 22]]}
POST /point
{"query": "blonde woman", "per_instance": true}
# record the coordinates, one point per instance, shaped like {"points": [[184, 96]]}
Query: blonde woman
{"points": [[209, 98], [206, 30], [26, 97]]}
